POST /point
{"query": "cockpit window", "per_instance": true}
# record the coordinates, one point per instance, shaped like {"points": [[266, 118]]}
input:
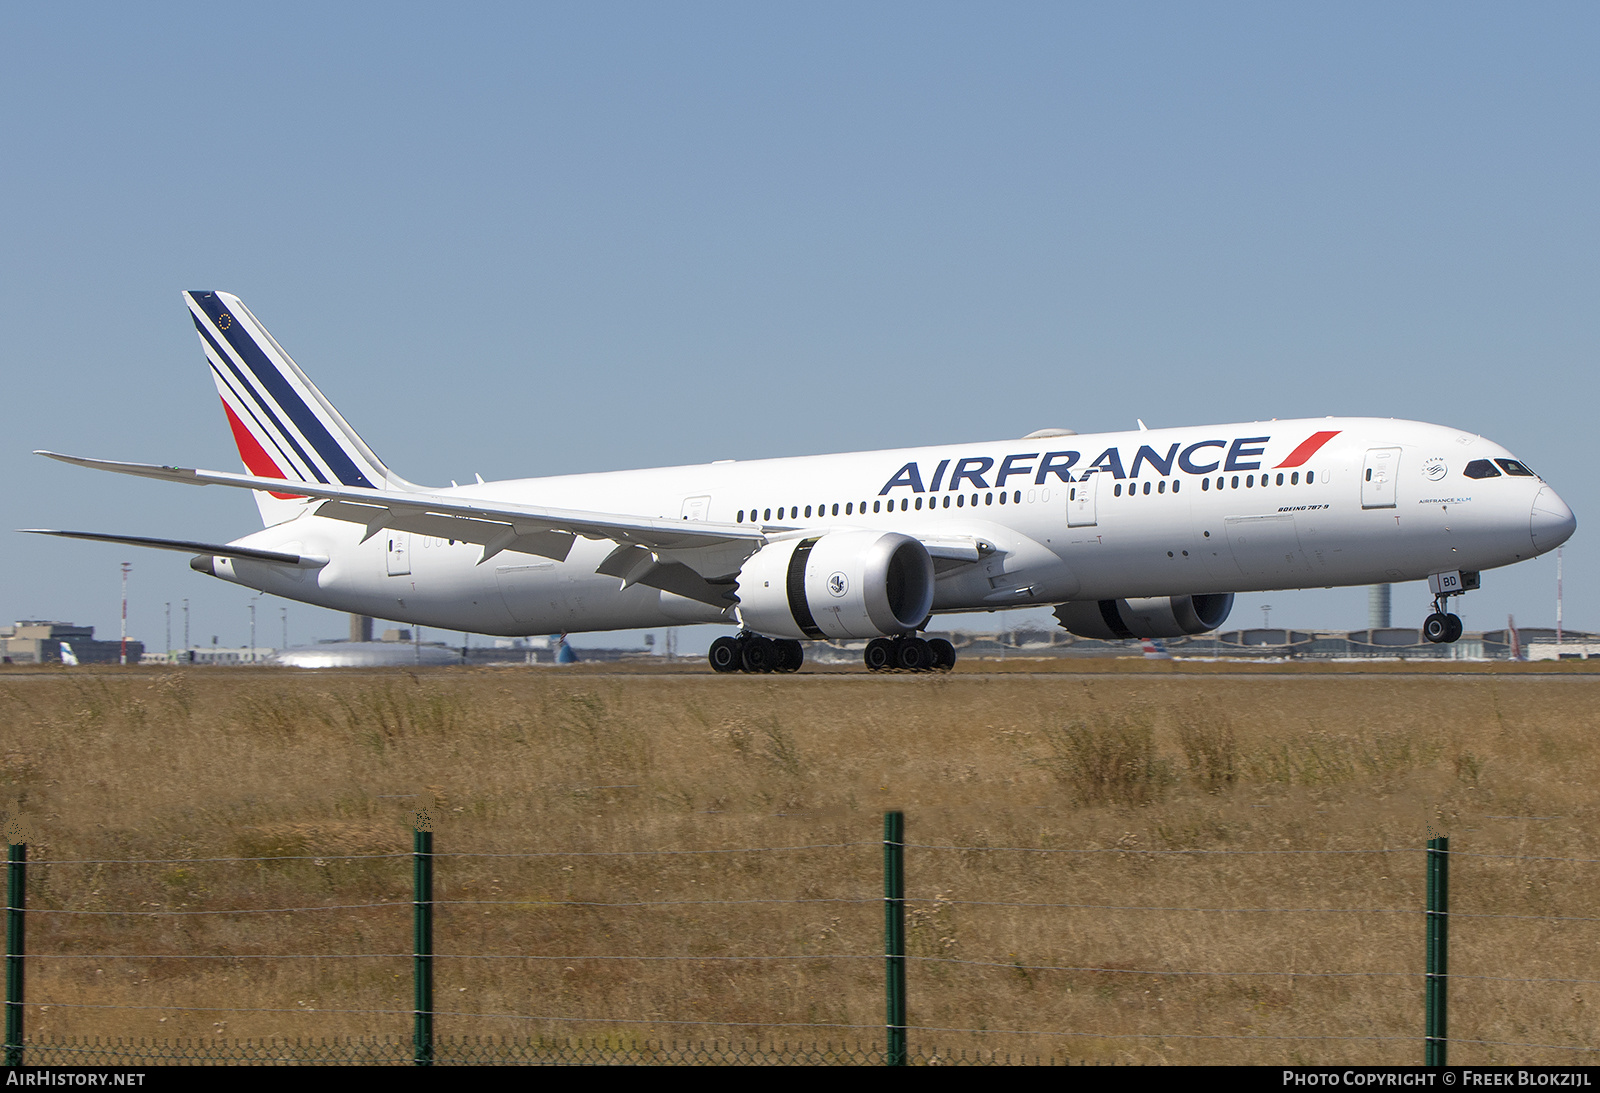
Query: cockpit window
{"points": [[1515, 469], [1481, 468]]}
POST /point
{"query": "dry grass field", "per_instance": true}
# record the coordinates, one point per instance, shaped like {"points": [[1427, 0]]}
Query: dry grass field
{"points": [[561, 789]]}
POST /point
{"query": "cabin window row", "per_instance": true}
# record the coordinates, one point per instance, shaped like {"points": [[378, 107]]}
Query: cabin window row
{"points": [[1224, 482], [907, 504]]}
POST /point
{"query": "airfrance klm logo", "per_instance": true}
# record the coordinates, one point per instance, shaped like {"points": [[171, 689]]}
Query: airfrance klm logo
{"points": [[1202, 457]]}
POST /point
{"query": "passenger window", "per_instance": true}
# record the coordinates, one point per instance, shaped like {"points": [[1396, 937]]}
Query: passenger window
{"points": [[1002, 498], [1280, 478], [960, 498], [1235, 481], [1162, 486], [905, 503], [1294, 479], [1116, 491], [1512, 467], [1205, 484], [875, 505], [740, 520], [1308, 478], [1249, 480], [1176, 482], [919, 503], [1016, 497], [988, 499], [1478, 468]]}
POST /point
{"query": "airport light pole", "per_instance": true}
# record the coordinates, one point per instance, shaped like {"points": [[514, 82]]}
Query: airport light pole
{"points": [[1558, 599], [253, 600], [123, 657], [186, 629], [169, 629]]}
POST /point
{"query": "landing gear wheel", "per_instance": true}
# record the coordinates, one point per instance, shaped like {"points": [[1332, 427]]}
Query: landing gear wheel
{"points": [[791, 655], [911, 654], [879, 654], [1453, 628], [942, 653], [725, 655], [759, 654], [1442, 627], [1436, 627]]}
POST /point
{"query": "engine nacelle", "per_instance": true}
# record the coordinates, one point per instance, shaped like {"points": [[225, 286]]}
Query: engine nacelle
{"points": [[1155, 617], [846, 584]]}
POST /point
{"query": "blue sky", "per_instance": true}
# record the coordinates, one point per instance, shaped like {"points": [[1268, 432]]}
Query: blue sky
{"points": [[531, 239]]}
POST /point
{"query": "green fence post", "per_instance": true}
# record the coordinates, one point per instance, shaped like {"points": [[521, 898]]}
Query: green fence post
{"points": [[894, 934], [16, 902], [1438, 944], [422, 946]]}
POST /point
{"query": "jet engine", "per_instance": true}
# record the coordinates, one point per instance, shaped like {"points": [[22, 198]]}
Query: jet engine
{"points": [[1155, 617], [845, 584]]}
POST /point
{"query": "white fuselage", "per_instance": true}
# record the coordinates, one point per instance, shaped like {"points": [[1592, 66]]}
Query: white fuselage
{"points": [[1163, 512]]}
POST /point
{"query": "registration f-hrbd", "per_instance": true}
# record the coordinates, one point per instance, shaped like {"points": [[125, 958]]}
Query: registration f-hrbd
{"points": [[1144, 534]]}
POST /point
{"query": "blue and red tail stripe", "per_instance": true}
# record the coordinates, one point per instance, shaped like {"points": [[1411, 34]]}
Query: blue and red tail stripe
{"points": [[284, 409]]}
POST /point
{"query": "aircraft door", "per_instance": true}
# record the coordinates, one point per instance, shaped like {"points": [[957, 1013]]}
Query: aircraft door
{"points": [[399, 553], [1378, 477], [1081, 501], [1266, 548], [695, 508]]}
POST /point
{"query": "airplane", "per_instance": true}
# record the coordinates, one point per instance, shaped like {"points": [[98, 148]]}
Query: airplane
{"points": [[1145, 534], [1154, 649]]}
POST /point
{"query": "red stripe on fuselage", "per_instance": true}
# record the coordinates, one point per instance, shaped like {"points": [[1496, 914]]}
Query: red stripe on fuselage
{"points": [[256, 459], [1308, 448]]}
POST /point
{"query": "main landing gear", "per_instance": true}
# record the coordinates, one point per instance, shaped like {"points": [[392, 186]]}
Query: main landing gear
{"points": [[909, 653], [753, 653]]}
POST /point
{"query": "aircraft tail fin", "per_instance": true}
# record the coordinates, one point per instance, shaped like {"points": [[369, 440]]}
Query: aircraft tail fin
{"points": [[283, 426]]}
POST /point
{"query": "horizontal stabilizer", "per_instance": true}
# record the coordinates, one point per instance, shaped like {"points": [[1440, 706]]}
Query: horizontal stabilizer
{"points": [[217, 550]]}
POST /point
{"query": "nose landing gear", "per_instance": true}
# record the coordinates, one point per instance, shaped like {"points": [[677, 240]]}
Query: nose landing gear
{"points": [[1441, 627]]}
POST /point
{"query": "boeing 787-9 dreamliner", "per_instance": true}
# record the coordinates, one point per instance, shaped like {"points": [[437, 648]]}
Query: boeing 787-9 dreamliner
{"points": [[1141, 534]]}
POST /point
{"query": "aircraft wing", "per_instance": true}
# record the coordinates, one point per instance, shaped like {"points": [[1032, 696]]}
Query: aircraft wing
{"points": [[710, 549], [219, 550]]}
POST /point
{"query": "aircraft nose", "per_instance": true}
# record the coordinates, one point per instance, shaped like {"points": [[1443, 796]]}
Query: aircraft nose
{"points": [[1552, 523]]}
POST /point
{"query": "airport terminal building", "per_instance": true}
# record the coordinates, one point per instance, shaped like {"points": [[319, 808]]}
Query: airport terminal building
{"points": [[33, 641]]}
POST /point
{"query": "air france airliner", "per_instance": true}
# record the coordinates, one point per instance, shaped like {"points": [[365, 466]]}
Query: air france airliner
{"points": [[1143, 534]]}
